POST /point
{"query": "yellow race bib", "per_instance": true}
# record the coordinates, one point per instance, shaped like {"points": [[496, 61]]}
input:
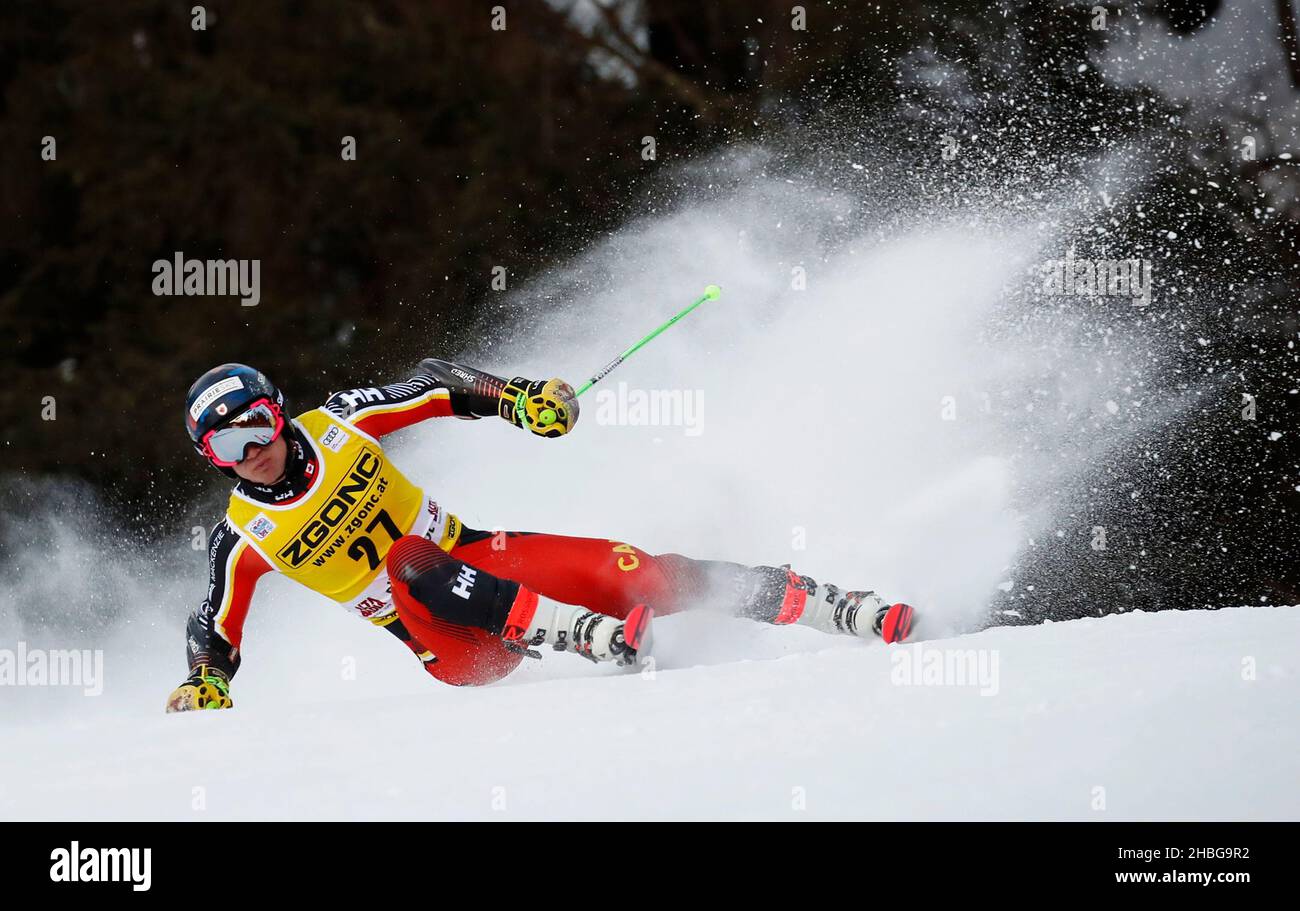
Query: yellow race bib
{"points": [[334, 539]]}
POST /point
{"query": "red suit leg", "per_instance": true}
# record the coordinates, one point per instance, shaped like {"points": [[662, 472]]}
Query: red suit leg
{"points": [[606, 576], [454, 629]]}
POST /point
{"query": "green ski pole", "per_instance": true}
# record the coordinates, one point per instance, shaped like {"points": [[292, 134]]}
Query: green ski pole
{"points": [[711, 293]]}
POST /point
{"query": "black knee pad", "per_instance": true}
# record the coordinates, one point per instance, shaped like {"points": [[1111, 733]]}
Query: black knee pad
{"points": [[458, 593]]}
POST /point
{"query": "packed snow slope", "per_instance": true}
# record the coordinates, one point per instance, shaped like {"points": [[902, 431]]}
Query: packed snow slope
{"points": [[881, 398], [1171, 715]]}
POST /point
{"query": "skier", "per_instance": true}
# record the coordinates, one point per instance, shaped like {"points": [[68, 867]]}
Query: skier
{"points": [[318, 500]]}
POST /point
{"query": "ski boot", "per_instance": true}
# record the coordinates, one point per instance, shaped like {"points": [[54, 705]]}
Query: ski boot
{"points": [[828, 608], [568, 628]]}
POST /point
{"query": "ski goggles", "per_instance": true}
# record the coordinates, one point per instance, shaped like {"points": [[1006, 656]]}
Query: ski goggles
{"points": [[258, 425]]}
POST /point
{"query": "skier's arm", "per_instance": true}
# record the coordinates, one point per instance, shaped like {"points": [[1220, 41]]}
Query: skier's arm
{"points": [[216, 627], [444, 389]]}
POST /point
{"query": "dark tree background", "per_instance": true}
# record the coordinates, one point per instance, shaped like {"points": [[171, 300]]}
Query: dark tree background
{"points": [[478, 148]]}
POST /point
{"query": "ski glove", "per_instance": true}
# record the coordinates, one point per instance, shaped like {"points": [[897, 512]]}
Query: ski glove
{"points": [[547, 408], [206, 688]]}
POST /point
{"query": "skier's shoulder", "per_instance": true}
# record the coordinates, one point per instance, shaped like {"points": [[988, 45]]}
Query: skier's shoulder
{"points": [[237, 536], [319, 419], [349, 405], [224, 537]]}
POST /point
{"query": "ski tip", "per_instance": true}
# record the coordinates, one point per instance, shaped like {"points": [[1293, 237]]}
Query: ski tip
{"points": [[636, 628], [899, 623]]}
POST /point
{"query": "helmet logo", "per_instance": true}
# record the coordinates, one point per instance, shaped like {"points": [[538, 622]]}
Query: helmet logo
{"points": [[222, 409], [214, 392]]}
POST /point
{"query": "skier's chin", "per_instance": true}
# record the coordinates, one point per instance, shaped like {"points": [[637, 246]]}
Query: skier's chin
{"points": [[265, 476]]}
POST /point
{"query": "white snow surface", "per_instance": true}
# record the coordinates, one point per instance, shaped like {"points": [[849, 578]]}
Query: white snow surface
{"points": [[1169, 715], [892, 425]]}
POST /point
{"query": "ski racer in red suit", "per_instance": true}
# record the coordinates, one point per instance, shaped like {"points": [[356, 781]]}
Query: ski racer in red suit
{"points": [[318, 500]]}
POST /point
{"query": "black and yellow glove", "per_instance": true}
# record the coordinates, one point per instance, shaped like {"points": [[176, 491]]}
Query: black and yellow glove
{"points": [[206, 688], [547, 408]]}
